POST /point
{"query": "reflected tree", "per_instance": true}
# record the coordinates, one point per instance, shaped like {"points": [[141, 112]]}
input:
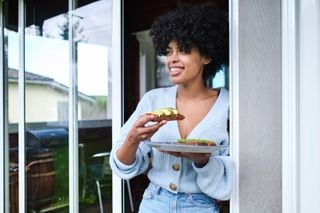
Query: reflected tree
{"points": [[79, 36]]}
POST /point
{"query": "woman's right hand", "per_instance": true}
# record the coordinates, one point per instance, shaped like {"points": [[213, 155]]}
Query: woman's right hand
{"points": [[140, 131]]}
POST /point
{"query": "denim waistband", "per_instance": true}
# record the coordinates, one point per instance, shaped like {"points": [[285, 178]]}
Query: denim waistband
{"points": [[161, 200], [164, 191], [160, 190]]}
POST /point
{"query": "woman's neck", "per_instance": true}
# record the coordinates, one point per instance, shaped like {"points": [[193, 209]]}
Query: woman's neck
{"points": [[196, 91]]}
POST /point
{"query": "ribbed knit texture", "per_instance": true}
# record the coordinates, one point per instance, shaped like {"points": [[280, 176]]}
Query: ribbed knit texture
{"points": [[215, 179]]}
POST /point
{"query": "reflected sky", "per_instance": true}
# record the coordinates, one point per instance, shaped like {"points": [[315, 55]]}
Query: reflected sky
{"points": [[48, 55]]}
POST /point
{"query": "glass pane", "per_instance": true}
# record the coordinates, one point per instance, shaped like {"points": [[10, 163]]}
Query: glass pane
{"points": [[11, 56], [46, 86], [93, 25], [92, 36]]}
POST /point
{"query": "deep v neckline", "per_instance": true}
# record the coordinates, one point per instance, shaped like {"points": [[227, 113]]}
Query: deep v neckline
{"points": [[194, 133]]}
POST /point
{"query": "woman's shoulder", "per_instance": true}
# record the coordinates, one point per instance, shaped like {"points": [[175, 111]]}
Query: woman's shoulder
{"points": [[223, 93], [224, 99]]}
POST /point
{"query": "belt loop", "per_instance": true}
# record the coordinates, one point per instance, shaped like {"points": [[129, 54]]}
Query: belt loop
{"points": [[156, 188]]}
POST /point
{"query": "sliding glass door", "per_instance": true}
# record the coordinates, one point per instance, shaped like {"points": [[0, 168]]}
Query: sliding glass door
{"points": [[56, 108]]}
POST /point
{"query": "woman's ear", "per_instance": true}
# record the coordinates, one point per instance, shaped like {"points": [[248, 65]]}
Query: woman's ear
{"points": [[207, 61]]}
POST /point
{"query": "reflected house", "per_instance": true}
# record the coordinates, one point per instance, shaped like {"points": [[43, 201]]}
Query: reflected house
{"points": [[46, 136], [47, 100], [53, 96]]}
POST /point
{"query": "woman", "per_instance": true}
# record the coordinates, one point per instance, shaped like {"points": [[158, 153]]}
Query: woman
{"points": [[194, 40]]}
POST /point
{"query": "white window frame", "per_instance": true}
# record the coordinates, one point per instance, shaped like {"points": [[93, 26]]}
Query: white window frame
{"points": [[22, 114], [289, 107], [73, 144], [309, 105], [117, 100], [4, 144], [300, 107], [234, 98]]}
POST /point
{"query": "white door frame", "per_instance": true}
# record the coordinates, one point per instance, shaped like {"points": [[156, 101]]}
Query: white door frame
{"points": [[117, 202], [289, 107], [300, 105], [117, 100], [234, 98], [309, 105]]}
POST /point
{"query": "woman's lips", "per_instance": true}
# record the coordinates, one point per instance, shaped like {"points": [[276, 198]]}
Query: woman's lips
{"points": [[175, 71]]}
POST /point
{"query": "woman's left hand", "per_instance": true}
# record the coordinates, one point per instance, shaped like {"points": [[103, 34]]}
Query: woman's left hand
{"points": [[199, 159]]}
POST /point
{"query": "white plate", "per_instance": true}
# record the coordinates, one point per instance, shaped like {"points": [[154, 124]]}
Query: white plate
{"points": [[176, 147]]}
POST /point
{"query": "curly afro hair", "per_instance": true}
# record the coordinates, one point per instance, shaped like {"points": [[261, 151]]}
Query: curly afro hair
{"points": [[203, 26]]}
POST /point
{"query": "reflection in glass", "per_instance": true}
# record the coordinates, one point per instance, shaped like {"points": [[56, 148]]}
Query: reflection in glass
{"points": [[13, 126], [47, 101], [46, 86]]}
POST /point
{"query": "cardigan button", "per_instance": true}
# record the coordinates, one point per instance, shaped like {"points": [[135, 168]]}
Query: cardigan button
{"points": [[173, 186], [176, 167]]}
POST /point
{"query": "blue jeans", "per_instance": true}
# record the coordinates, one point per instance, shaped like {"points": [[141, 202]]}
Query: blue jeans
{"points": [[158, 200]]}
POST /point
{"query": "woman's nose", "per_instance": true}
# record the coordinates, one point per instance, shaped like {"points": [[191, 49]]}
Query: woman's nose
{"points": [[173, 57]]}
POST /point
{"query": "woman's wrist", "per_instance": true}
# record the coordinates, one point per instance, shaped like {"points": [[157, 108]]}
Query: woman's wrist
{"points": [[127, 152], [200, 164]]}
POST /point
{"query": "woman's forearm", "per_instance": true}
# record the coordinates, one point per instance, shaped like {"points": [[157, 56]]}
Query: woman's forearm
{"points": [[127, 152]]}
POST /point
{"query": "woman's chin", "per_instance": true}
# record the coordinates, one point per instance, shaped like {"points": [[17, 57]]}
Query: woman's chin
{"points": [[175, 80]]}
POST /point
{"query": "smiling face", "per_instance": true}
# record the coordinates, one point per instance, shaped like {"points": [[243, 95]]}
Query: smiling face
{"points": [[184, 67]]}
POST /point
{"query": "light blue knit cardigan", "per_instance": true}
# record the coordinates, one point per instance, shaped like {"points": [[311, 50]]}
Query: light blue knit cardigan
{"points": [[214, 179]]}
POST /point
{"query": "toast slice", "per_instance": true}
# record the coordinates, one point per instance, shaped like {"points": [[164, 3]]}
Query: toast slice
{"points": [[169, 114], [196, 142]]}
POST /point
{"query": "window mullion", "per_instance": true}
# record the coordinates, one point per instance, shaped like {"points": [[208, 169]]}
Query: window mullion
{"points": [[22, 116], [4, 160], [73, 116]]}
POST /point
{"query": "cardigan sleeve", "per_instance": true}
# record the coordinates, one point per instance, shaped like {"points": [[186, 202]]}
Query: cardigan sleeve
{"points": [[216, 178], [141, 162]]}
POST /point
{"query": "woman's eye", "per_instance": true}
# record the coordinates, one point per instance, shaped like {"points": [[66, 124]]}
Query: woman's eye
{"points": [[184, 51], [168, 52]]}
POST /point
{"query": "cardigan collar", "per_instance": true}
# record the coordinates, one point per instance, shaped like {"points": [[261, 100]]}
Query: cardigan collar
{"points": [[212, 115]]}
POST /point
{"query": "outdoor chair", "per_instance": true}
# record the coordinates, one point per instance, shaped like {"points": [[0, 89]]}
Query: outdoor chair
{"points": [[103, 171]]}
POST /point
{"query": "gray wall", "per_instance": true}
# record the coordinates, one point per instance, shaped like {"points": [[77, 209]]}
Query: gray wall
{"points": [[260, 105]]}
